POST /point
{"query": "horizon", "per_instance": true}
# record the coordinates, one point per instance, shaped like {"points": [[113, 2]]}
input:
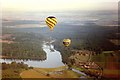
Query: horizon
{"points": [[57, 5]]}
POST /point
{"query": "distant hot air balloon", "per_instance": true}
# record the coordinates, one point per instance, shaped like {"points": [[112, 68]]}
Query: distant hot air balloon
{"points": [[66, 42], [51, 21]]}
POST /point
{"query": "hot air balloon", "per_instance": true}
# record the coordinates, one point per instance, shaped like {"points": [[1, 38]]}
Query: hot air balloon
{"points": [[66, 42], [51, 21]]}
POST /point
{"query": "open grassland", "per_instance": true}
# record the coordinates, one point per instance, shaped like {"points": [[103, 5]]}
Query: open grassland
{"points": [[11, 73], [60, 72]]}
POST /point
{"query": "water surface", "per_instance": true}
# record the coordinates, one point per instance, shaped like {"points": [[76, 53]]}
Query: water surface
{"points": [[53, 60]]}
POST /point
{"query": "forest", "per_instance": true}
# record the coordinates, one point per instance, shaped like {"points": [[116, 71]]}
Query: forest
{"points": [[96, 39], [24, 46]]}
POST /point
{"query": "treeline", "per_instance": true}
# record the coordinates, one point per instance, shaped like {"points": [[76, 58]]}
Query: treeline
{"points": [[24, 46], [93, 38], [65, 51], [12, 70], [14, 65]]}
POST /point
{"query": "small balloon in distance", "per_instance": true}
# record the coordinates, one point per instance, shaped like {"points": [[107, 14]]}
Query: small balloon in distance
{"points": [[66, 42]]}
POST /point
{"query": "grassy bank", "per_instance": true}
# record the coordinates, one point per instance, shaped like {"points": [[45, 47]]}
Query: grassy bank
{"points": [[60, 72]]}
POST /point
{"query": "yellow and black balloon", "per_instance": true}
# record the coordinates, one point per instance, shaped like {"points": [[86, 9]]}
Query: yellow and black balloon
{"points": [[66, 42], [51, 21]]}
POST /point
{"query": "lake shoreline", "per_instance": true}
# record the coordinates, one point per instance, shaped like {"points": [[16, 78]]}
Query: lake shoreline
{"points": [[16, 58], [53, 59]]}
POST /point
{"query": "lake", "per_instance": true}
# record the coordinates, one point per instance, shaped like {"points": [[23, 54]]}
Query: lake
{"points": [[53, 60]]}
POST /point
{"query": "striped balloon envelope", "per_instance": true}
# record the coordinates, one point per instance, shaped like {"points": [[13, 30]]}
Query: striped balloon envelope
{"points": [[51, 21]]}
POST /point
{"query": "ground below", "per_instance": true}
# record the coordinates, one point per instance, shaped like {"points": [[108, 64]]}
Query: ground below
{"points": [[60, 72]]}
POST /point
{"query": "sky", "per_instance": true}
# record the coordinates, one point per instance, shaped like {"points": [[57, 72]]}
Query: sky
{"points": [[58, 5]]}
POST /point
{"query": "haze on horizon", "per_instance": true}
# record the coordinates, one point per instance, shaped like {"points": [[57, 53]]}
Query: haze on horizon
{"points": [[58, 5]]}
